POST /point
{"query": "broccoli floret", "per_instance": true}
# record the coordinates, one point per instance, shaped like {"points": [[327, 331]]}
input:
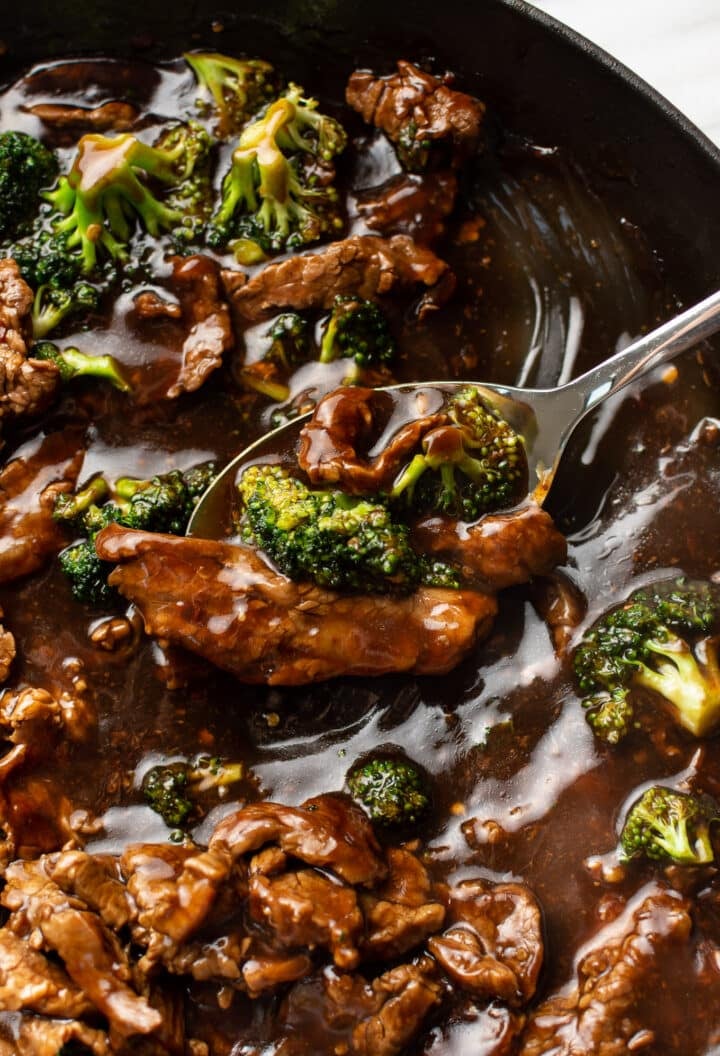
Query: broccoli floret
{"points": [[237, 87], [162, 504], [357, 330], [105, 190], [665, 825], [26, 167], [392, 791], [171, 790], [87, 574], [474, 464], [71, 508], [645, 644], [72, 363], [273, 197], [339, 541], [52, 304], [288, 346]]}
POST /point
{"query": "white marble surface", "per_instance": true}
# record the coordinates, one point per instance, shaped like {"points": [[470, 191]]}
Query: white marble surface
{"points": [[673, 44]]}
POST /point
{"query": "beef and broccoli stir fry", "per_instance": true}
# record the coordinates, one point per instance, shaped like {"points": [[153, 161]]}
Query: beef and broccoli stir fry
{"points": [[404, 763]]}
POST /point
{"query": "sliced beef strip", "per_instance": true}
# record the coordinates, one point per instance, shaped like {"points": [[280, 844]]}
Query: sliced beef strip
{"points": [[413, 108], [38, 1036], [115, 116], [365, 265], [328, 831], [596, 1015], [205, 320], [226, 604], [308, 909], [494, 946], [403, 998], [345, 425], [27, 386], [402, 912], [561, 604], [266, 972], [411, 205], [333, 1012], [7, 651], [91, 953], [29, 485], [498, 551], [96, 879], [29, 982], [175, 890]]}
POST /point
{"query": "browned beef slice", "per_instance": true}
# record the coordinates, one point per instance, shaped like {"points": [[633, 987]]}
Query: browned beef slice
{"points": [[327, 831], [38, 1036], [498, 551], [174, 888], [561, 605], [205, 320], [365, 265], [116, 116], [226, 604], [29, 982], [345, 425], [90, 952], [596, 1015], [494, 947], [27, 385], [335, 1012], [29, 485], [416, 100], [264, 972], [402, 998], [402, 912], [307, 909], [411, 205], [95, 960], [7, 652], [96, 880]]}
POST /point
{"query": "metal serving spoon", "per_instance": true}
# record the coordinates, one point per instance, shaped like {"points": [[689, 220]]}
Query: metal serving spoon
{"points": [[545, 418]]}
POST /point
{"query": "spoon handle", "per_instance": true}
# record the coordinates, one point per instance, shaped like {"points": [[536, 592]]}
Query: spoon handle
{"points": [[685, 330]]}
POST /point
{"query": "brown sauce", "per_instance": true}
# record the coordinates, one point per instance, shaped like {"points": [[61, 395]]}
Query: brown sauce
{"points": [[551, 281]]}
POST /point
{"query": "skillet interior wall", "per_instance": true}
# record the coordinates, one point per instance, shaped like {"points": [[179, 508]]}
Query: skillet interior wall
{"points": [[541, 79]]}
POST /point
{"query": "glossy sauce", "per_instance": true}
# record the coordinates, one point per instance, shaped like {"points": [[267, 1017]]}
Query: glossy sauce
{"points": [[550, 282]]}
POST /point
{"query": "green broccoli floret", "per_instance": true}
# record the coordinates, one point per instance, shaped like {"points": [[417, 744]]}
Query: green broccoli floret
{"points": [[72, 508], [237, 87], [106, 189], [26, 167], [357, 330], [52, 304], [72, 363], [273, 197], [393, 791], [193, 196], [171, 790], [474, 464], [665, 825], [339, 541], [288, 346], [163, 504], [87, 574], [645, 644]]}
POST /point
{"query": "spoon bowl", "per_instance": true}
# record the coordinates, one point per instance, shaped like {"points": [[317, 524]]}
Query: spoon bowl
{"points": [[545, 418]]}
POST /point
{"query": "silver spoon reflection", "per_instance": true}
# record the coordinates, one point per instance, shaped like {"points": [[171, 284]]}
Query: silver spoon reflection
{"points": [[545, 418]]}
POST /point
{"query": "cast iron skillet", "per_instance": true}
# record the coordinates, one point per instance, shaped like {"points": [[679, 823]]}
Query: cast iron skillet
{"points": [[540, 77]]}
